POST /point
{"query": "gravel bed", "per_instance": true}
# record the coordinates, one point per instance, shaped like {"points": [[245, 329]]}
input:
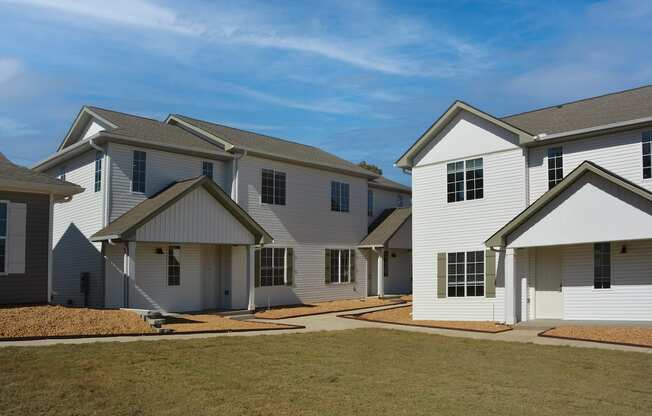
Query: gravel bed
{"points": [[614, 334]]}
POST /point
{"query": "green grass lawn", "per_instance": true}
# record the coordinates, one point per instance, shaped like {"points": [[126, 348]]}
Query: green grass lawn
{"points": [[361, 372]]}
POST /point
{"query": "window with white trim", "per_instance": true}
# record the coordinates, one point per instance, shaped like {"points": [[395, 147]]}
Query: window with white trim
{"points": [[370, 203], [4, 208], [273, 187], [602, 265], [339, 196], [174, 266], [273, 266], [466, 274], [340, 266], [98, 170], [207, 169], [465, 179], [647, 155], [139, 171], [555, 166]]}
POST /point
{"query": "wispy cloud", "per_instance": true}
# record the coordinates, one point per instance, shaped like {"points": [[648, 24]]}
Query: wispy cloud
{"points": [[10, 69], [13, 128]]}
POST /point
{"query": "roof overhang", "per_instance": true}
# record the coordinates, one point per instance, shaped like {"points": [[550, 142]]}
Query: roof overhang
{"points": [[85, 115], [499, 238], [407, 159], [377, 185], [59, 192]]}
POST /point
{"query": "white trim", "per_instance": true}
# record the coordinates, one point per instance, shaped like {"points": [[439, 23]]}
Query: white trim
{"points": [[543, 137]]}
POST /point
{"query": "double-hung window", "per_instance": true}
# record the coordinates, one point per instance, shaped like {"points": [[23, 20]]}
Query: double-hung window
{"points": [[342, 265], [138, 171], [273, 187], [98, 171], [602, 265], [465, 179], [466, 274], [647, 155], [370, 203], [555, 166], [274, 266], [4, 208], [207, 169], [174, 266], [339, 196]]}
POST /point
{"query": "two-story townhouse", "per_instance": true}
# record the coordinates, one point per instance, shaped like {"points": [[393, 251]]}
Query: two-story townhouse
{"points": [[176, 217], [540, 215]]}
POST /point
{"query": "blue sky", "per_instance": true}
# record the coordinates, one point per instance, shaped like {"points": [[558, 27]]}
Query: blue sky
{"points": [[362, 79]]}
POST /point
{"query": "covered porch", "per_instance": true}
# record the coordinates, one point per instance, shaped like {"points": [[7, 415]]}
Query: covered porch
{"points": [[188, 248], [583, 252]]}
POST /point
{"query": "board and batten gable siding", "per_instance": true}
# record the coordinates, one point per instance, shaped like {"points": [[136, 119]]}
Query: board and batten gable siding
{"points": [[307, 224], [31, 286], [620, 153], [162, 169], [73, 223], [442, 227]]}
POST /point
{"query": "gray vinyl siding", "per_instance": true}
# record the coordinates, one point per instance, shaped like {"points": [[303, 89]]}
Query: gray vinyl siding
{"points": [[384, 199], [32, 286]]}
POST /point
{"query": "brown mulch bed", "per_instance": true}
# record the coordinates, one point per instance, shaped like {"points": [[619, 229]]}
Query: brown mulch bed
{"points": [[406, 298], [295, 311], [625, 335], [60, 321], [403, 316], [215, 323]]}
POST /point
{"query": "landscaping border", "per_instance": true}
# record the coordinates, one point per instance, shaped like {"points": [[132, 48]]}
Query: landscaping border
{"points": [[357, 317], [626, 344], [396, 304]]}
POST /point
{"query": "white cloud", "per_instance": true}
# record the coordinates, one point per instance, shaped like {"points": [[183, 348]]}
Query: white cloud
{"points": [[13, 128], [10, 69]]}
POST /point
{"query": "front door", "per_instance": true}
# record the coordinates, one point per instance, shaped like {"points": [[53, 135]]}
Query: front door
{"points": [[549, 300]]}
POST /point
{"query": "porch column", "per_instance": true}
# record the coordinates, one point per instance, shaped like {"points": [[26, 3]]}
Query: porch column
{"points": [[510, 287], [251, 283], [129, 275], [380, 275]]}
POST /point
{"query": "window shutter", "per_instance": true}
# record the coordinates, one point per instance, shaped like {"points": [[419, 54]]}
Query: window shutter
{"points": [[16, 237], [352, 263], [327, 267], [441, 275], [490, 273], [289, 269], [257, 267]]}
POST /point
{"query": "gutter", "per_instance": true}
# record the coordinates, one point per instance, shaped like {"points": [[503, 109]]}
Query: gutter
{"points": [[544, 137]]}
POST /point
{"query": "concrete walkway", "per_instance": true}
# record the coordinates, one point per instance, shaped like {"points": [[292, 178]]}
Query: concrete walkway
{"points": [[331, 322]]}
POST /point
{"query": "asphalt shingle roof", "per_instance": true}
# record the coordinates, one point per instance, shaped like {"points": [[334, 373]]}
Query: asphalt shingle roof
{"points": [[12, 172], [386, 226], [383, 182]]}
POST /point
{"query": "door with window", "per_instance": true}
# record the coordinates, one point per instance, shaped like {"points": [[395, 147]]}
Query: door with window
{"points": [[549, 302]]}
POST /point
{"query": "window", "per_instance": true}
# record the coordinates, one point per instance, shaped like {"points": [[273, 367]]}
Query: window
{"points": [[370, 203], [399, 200], [273, 187], [174, 266], [465, 174], [61, 174], [647, 155], [138, 172], [339, 196], [98, 171], [602, 265], [207, 169], [385, 263], [466, 274], [3, 237], [341, 266], [273, 266], [555, 166]]}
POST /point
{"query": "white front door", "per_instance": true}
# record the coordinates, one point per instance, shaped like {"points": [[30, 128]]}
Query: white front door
{"points": [[549, 299]]}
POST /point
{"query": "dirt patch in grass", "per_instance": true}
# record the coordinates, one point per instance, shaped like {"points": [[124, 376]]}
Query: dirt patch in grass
{"points": [[628, 335], [403, 316], [216, 323], [294, 311], [61, 321]]}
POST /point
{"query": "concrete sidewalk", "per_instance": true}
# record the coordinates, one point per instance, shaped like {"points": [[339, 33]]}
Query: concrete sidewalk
{"points": [[331, 322]]}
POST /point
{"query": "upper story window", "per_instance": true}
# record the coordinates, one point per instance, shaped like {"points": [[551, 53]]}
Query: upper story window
{"points": [[647, 157], [3, 237], [61, 174], [138, 172], [174, 266], [370, 203], [339, 196], [273, 187], [466, 274], [602, 265], [465, 179], [98, 171], [207, 169], [555, 166]]}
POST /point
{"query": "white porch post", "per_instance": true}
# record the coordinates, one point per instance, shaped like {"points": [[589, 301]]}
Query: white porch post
{"points": [[129, 267], [380, 274], [251, 283], [510, 287]]}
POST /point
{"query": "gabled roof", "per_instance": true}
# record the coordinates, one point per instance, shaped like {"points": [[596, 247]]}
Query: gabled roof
{"points": [[123, 226], [384, 183], [384, 228], [268, 146], [498, 239], [19, 178], [406, 160], [591, 112]]}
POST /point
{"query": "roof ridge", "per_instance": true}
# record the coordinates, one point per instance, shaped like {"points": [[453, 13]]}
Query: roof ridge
{"points": [[576, 101], [125, 114]]}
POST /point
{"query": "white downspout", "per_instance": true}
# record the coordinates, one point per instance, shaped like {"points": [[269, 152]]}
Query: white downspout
{"points": [[235, 175]]}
